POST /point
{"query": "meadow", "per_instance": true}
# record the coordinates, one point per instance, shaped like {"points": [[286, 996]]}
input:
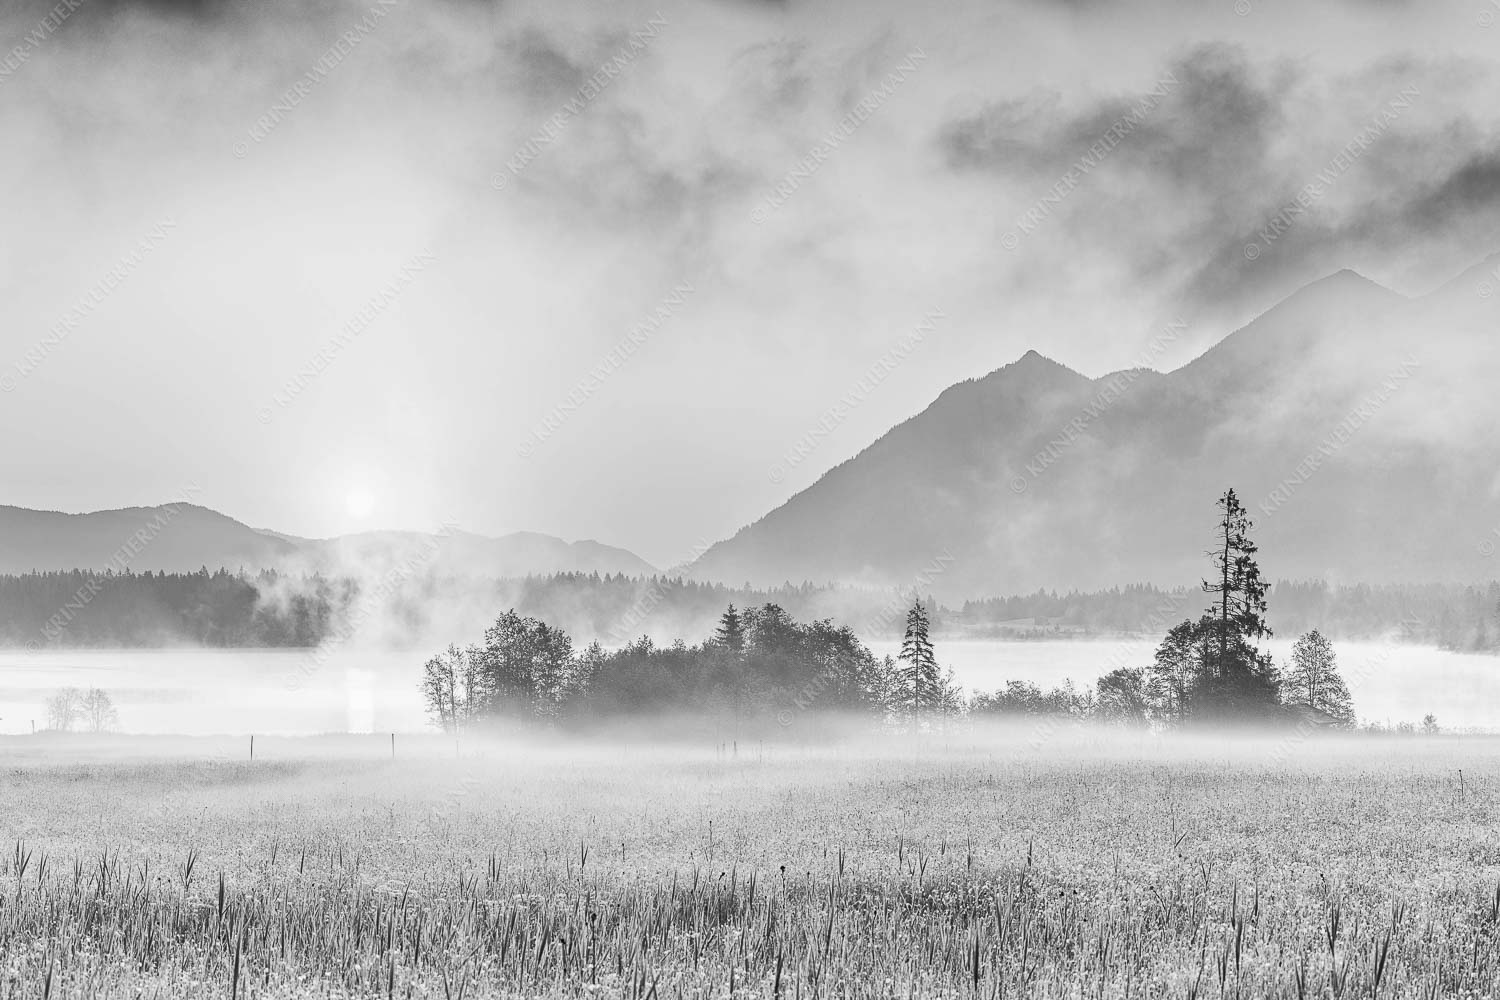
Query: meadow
{"points": [[1042, 862]]}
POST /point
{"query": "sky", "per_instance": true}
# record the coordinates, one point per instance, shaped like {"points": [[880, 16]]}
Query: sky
{"points": [[598, 270]]}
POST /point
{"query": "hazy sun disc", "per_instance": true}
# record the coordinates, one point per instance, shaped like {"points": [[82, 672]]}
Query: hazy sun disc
{"points": [[360, 503]]}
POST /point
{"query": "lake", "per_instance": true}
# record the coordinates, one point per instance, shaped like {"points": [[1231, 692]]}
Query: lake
{"points": [[202, 692]]}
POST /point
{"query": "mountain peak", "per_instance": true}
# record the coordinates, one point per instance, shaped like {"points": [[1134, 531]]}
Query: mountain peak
{"points": [[1036, 367], [1344, 280], [1036, 358]]}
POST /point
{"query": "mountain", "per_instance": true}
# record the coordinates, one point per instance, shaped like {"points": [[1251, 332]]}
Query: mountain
{"points": [[185, 537], [1356, 424]]}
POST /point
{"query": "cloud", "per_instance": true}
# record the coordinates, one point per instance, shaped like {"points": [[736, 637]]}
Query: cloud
{"points": [[1240, 153]]}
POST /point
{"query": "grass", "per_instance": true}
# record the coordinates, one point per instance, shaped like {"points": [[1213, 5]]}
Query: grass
{"points": [[1048, 865]]}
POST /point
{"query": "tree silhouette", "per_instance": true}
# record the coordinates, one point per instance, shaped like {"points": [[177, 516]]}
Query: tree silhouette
{"points": [[919, 676], [98, 711], [1314, 680], [1180, 662], [1230, 677], [522, 666], [64, 709], [731, 631]]}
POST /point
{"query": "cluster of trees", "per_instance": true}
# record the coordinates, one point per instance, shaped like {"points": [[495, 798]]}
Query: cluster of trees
{"points": [[1211, 670], [77, 608], [760, 664], [1214, 670], [1164, 694], [91, 711]]}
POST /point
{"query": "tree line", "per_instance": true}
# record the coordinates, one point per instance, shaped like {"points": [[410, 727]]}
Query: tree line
{"points": [[762, 663], [759, 665], [78, 608], [1455, 617], [72, 708]]}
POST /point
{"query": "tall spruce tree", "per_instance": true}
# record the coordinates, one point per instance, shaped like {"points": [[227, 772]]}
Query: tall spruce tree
{"points": [[731, 631], [1213, 669], [920, 680], [1241, 679]]}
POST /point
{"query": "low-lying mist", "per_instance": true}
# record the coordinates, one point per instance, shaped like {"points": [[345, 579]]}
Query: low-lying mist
{"points": [[684, 739]]}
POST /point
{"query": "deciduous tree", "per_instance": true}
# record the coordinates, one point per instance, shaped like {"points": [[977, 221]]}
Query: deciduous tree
{"points": [[1313, 679]]}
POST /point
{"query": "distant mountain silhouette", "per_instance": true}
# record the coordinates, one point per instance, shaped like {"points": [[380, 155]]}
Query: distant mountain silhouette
{"points": [[1357, 425], [185, 537]]}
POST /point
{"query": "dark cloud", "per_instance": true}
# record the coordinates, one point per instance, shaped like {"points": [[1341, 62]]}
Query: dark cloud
{"points": [[1473, 188], [1207, 190], [542, 69]]}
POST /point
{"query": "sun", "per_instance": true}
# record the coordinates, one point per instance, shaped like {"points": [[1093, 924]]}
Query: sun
{"points": [[360, 503]]}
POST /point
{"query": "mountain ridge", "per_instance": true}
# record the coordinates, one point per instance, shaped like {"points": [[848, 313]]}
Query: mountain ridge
{"points": [[184, 536], [1032, 476]]}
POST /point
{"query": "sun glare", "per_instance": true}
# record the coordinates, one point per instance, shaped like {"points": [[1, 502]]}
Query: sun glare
{"points": [[360, 503]]}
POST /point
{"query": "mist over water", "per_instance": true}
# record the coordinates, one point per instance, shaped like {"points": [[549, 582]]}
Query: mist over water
{"points": [[206, 692], [202, 692]]}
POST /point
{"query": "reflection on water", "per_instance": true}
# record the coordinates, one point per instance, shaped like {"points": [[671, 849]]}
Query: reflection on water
{"points": [[203, 692]]}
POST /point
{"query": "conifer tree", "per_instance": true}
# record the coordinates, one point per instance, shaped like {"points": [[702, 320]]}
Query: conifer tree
{"points": [[1213, 667], [1241, 679], [922, 683], [731, 631], [1240, 607]]}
